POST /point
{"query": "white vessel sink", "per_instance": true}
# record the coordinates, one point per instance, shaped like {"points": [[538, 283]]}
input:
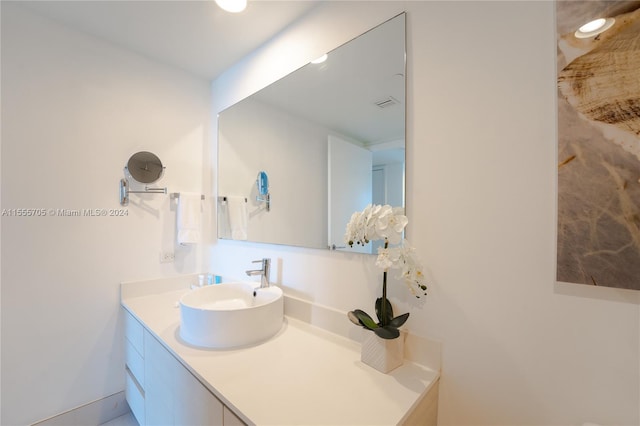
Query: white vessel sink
{"points": [[229, 315]]}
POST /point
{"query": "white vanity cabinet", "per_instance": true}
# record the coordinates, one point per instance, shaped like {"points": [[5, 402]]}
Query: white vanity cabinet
{"points": [[316, 375], [161, 391]]}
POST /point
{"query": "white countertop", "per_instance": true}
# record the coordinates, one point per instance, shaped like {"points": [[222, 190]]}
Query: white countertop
{"points": [[304, 375]]}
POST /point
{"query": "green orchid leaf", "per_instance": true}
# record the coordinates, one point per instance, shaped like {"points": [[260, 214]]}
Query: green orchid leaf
{"points": [[354, 319], [365, 319], [389, 313], [399, 320], [387, 332]]}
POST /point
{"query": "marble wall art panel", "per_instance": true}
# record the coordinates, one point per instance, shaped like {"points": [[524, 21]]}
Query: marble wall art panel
{"points": [[599, 145]]}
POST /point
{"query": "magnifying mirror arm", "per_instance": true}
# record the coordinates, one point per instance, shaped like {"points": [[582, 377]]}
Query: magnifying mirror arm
{"points": [[148, 190], [125, 191], [265, 199]]}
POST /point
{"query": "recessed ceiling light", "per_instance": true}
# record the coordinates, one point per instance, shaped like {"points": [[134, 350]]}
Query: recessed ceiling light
{"points": [[233, 6], [595, 27], [320, 60]]}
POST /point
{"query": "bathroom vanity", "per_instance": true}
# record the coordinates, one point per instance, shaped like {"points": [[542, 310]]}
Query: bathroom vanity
{"points": [[302, 375]]}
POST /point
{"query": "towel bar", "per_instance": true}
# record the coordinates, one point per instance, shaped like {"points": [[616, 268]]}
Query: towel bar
{"points": [[176, 195], [224, 199]]}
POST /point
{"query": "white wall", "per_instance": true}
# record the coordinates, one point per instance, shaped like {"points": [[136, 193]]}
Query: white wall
{"points": [[73, 110], [481, 147]]}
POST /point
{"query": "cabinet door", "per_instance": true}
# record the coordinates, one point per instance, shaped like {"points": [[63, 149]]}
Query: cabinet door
{"points": [[173, 396], [194, 404], [159, 382]]}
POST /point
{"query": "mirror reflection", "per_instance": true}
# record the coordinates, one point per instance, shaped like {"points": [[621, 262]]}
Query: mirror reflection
{"points": [[331, 138]]}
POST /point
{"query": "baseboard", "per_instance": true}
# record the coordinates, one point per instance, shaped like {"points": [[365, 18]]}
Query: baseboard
{"points": [[94, 413]]}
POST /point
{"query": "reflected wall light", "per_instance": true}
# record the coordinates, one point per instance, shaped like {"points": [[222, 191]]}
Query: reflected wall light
{"points": [[233, 6], [320, 60]]}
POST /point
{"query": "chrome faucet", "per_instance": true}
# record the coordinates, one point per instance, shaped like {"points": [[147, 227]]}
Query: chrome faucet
{"points": [[264, 272]]}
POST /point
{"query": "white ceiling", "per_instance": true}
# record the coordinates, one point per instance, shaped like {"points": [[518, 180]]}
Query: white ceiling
{"points": [[196, 36]]}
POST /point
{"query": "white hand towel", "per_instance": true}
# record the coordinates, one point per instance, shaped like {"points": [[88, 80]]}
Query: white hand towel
{"points": [[237, 217], [188, 218]]}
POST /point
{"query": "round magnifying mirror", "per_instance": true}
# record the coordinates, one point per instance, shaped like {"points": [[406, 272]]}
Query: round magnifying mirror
{"points": [[145, 167]]}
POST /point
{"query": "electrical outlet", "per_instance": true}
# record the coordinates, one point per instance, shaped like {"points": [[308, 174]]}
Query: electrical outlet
{"points": [[167, 256]]}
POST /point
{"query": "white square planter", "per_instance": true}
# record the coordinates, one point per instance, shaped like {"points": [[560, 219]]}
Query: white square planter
{"points": [[382, 354]]}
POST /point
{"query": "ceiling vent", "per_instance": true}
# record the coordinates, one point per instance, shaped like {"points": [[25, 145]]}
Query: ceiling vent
{"points": [[386, 102]]}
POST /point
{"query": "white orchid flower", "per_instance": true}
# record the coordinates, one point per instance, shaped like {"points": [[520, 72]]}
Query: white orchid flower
{"points": [[378, 222], [403, 258], [384, 260]]}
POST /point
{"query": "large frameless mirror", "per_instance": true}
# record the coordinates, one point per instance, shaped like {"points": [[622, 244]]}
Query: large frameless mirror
{"points": [[330, 136]]}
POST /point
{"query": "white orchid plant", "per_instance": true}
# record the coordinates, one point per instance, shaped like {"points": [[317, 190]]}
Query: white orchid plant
{"points": [[378, 222]]}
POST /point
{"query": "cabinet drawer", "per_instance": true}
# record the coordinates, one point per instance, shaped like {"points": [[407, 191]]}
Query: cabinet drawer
{"points": [[135, 362], [134, 332], [135, 398]]}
